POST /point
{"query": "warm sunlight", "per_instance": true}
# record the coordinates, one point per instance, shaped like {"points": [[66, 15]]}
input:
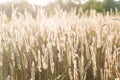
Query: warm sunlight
{"points": [[40, 2], [37, 2]]}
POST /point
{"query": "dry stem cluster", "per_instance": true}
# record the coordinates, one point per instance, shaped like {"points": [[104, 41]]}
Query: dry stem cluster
{"points": [[63, 46]]}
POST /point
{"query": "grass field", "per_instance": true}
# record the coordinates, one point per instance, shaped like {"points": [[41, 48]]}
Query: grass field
{"points": [[63, 46]]}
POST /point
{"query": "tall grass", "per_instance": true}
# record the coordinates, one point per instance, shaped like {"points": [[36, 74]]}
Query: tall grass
{"points": [[63, 46]]}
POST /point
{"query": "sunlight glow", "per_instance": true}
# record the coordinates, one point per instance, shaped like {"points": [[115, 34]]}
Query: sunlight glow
{"points": [[40, 2]]}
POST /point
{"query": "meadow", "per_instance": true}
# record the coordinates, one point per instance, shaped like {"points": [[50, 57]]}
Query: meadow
{"points": [[63, 46]]}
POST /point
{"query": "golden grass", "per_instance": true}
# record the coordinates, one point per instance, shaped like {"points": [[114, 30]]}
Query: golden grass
{"points": [[63, 46]]}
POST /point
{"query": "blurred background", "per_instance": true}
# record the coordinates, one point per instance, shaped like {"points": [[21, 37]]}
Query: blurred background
{"points": [[101, 6]]}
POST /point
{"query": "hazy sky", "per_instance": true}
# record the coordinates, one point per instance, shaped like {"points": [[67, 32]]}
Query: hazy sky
{"points": [[38, 2]]}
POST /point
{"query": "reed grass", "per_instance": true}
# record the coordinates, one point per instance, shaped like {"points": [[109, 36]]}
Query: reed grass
{"points": [[63, 46]]}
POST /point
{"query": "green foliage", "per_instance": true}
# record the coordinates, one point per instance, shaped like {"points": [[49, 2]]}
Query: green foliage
{"points": [[109, 4], [102, 7], [99, 6]]}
